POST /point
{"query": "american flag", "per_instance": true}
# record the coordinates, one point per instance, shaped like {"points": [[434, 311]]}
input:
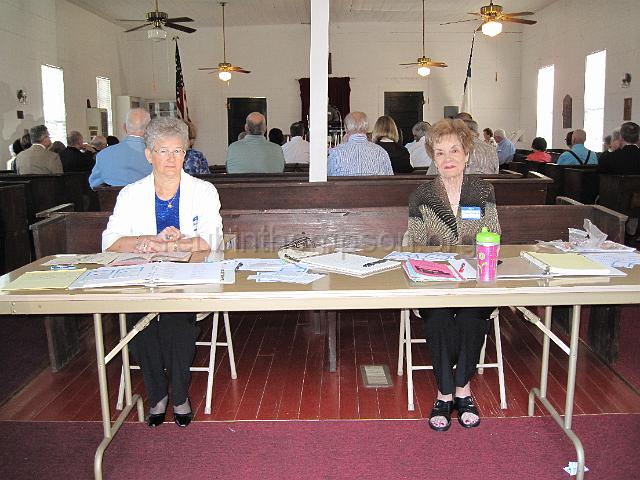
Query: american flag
{"points": [[181, 94], [466, 95]]}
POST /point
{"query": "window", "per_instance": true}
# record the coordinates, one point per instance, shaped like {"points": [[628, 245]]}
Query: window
{"points": [[544, 116], [55, 117], [103, 87], [594, 75]]}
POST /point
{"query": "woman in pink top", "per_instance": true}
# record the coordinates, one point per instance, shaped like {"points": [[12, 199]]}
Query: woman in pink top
{"points": [[539, 146]]}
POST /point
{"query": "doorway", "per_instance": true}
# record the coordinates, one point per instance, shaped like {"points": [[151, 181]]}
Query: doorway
{"points": [[237, 111], [406, 110]]}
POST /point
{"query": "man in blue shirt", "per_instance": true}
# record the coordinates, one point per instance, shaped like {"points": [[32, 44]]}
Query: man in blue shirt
{"points": [[124, 163], [578, 155], [358, 156], [506, 148]]}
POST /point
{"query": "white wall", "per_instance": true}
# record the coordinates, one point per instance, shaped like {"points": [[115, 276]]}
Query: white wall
{"points": [[567, 31], [36, 32], [368, 53]]}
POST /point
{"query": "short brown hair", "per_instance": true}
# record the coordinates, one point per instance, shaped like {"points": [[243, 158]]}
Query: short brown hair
{"points": [[448, 127]]}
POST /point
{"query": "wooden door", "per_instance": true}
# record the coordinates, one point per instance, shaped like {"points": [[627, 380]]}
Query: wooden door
{"points": [[406, 110], [237, 111]]}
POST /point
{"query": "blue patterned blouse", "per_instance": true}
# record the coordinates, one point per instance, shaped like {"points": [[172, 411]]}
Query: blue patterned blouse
{"points": [[168, 212], [195, 162]]}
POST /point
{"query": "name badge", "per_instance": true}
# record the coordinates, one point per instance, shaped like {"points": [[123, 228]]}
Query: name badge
{"points": [[471, 213]]}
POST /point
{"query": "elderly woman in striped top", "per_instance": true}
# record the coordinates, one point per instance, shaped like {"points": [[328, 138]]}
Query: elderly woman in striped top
{"points": [[450, 210]]}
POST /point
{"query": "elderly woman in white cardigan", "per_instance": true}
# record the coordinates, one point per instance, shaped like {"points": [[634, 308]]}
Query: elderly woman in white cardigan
{"points": [[167, 211]]}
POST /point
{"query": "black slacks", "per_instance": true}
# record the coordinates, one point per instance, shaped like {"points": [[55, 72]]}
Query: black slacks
{"points": [[455, 337], [165, 351]]}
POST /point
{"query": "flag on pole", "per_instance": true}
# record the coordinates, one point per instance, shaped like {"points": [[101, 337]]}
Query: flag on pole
{"points": [[181, 94], [466, 95]]}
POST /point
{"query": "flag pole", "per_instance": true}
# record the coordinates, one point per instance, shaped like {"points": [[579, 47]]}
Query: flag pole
{"points": [[466, 91]]}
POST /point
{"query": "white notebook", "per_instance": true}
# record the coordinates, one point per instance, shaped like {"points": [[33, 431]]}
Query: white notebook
{"points": [[349, 264]]}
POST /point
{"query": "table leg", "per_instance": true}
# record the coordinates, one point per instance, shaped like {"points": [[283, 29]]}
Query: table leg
{"points": [[331, 339], [565, 423]]}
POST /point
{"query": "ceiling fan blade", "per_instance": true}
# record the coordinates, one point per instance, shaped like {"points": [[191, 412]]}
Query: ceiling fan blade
{"points": [[215, 69], [414, 63], [180, 19], [518, 20], [235, 68], [438, 64], [474, 13], [130, 20], [208, 68], [137, 28], [182, 28], [242, 71], [460, 21], [517, 14]]}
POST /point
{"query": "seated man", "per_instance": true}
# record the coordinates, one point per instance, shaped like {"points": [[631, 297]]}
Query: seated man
{"points": [[506, 148], [74, 158], [358, 156], [579, 154], [626, 160], [37, 159], [418, 155], [254, 153], [296, 150], [124, 163]]}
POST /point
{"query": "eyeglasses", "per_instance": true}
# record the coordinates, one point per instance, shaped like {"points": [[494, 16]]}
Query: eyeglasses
{"points": [[166, 153]]}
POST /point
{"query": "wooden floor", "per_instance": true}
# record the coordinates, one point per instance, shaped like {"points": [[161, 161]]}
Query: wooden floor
{"points": [[282, 375]]}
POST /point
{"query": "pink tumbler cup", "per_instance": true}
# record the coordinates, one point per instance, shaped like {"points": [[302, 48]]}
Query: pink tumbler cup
{"points": [[487, 249]]}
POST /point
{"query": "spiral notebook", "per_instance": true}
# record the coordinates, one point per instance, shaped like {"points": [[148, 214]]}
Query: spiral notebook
{"points": [[349, 264]]}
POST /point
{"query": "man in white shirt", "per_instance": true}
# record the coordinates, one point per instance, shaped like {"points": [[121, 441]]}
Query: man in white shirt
{"points": [[417, 151], [296, 150]]}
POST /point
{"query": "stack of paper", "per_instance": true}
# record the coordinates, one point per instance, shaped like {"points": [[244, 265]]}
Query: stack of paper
{"points": [[46, 279], [349, 264], [140, 258]]}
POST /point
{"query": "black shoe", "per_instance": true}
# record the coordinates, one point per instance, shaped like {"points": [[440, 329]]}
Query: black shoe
{"points": [[184, 419], [441, 408], [466, 405], [155, 419]]}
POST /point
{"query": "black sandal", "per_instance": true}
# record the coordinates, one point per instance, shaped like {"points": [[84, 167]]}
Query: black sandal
{"points": [[441, 408], [466, 405]]}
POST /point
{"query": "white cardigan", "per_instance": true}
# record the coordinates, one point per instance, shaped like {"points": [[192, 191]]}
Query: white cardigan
{"points": [[135, 211]]}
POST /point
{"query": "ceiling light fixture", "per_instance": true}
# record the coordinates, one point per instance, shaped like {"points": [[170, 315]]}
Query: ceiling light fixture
{"points": [[424, 63], [224, 75], [492, 28], [156, 34], [424, 71]]}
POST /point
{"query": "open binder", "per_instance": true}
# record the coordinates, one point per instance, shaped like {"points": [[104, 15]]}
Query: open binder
{"points": [[569, 264], [155, 274]]}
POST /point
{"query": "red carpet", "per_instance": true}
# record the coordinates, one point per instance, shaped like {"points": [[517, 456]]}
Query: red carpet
{"points": [[509, 448]]}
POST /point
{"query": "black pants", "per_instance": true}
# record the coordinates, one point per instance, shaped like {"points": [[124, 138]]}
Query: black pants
{"points": [[455, 337], [166, 349]]}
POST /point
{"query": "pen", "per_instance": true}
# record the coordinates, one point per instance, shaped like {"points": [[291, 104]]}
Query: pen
{"points": [[461, 268], [63, 267], [238, 266], [371, 264]]}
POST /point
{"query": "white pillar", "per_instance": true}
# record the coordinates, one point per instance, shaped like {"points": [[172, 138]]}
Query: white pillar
{"points": [[319, 90]]}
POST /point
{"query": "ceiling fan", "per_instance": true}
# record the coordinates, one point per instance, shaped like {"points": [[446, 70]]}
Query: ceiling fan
{"points": [[492, 16], [224, 68], [157, 20], [425, 63]]}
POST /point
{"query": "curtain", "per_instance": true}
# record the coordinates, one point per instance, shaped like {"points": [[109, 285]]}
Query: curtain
{"points": [[339, 96]]}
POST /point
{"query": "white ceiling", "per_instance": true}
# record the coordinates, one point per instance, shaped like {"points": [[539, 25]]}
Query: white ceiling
{"points": [[276, 12]]}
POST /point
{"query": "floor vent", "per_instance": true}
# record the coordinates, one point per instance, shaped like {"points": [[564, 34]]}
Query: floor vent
{"points": [[376, 376]]}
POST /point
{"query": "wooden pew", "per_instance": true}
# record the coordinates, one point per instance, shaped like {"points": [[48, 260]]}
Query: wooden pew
{"points": [[620, 193], [352, 192], [15, 242], [581, 184], [80, 232], [556, 172]]}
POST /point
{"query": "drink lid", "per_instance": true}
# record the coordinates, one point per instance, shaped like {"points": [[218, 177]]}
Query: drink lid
{"points": [[485, 236]]}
